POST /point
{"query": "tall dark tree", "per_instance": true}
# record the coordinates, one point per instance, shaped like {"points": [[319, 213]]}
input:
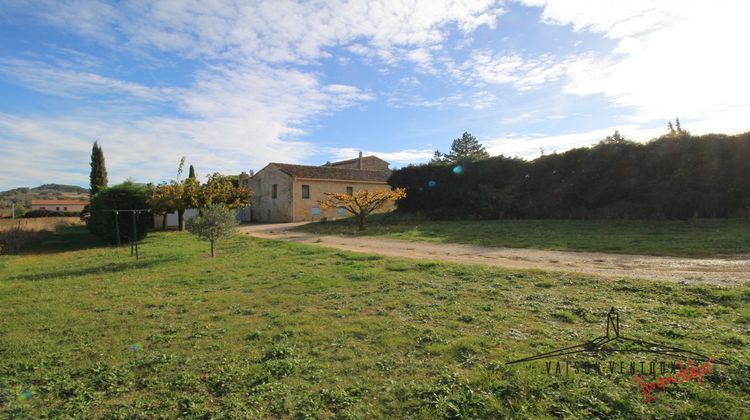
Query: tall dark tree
{"points": [[462, 149], [98, 175], [191, 173], [438, 157]]}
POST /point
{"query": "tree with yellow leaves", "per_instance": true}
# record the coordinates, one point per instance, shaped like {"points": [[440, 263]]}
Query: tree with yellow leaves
{"points": [[219, 189], [362, 203], [162, 200], [177, 195]]}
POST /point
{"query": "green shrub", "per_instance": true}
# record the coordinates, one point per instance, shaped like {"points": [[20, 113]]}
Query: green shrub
{"points": [[667, 178], [213, 223], [125, 196]]}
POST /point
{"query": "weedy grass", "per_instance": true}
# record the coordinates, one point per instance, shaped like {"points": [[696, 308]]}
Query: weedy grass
{"points": [[39, 223], [682, 238], [18, 233], [275, 329]]}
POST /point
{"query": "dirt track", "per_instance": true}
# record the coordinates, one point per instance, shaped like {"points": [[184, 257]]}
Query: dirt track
{"points": [[718, 271]]}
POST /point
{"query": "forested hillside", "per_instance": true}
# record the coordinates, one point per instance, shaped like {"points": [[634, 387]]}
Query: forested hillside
{"points": [[668, 178], [23, 196]]}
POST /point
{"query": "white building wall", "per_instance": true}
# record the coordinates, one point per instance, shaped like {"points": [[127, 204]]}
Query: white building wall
{"points": [[172, 218]]}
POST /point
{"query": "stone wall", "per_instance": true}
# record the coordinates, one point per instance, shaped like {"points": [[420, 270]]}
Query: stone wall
{"points": [[304, 207], [264, 207]]}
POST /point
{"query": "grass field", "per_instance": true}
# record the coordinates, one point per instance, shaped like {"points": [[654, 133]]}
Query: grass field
{"points": [[693, 238], [275, 329]]}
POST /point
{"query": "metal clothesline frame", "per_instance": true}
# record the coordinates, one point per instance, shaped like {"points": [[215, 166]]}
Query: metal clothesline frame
{"points": [[134, 238]]}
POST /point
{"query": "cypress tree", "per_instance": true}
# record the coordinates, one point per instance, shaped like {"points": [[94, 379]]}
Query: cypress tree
{"points": [[98, 175], [191, 174]]}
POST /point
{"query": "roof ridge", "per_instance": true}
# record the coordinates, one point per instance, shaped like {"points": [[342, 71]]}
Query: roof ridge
{"points": [[328, 167], [332, 172]]}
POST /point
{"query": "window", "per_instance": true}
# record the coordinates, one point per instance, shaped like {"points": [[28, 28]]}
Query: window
{"points": [[274, 191], [341, 212], [57, 208], [349, 190], [305, 191], [65, 209], [42, 208], [315, 211]]}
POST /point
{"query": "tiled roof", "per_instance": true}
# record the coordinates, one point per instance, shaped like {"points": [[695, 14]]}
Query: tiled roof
{"points": [[345, 162], [58, 203], [328, 172]]}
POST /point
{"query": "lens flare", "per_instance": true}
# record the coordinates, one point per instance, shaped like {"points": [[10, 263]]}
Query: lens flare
{"points": [[458, 170], [25, 395], [431, 184], [135, 347]]}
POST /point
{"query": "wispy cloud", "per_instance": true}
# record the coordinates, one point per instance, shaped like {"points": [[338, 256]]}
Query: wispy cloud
{"points": [[396, 159], [523, 73], [256, 79], [531, 146], [673, 58], [57, 149], [477, 100], [270, 30], [62, 81], [253, 94]]}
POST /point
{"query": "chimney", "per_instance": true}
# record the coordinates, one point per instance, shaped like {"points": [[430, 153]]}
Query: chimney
{"points": [[245, 178], [359, 163]]}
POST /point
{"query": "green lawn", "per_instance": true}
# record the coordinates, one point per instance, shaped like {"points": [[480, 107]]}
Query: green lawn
{"points": [[693, 238], [274, 329]]}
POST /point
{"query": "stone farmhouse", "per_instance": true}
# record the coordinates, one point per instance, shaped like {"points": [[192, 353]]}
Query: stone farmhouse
{"points": [[291, 193], [59, 205]]}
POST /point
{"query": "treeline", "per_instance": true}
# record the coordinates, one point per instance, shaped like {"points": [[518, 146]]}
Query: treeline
{"points": [[674, 177]]}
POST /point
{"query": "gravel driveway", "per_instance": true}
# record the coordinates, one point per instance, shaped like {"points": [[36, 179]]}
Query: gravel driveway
{"points": [[717, 271]]}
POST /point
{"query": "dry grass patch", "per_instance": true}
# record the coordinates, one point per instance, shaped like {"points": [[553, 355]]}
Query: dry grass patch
{"points": [[16, 233]]}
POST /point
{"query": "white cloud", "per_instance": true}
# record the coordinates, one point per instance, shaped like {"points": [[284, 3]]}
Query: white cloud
{"points": [[673, 58], [253, 92], [615, 19], [270, 30], [396, 159], [523, 73], [39, 150], [260, 92], [259, 85], [529, 146], [239, 118]]}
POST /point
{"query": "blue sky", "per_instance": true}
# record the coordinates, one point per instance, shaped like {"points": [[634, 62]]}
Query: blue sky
{"points": [[235, 85]]}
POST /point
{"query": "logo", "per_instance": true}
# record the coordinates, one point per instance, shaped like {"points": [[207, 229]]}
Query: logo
{"points": [[685, 375], [613, 343]]}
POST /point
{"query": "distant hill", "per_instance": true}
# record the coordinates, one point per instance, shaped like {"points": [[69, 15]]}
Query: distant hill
{"points": [[23, 196]]}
